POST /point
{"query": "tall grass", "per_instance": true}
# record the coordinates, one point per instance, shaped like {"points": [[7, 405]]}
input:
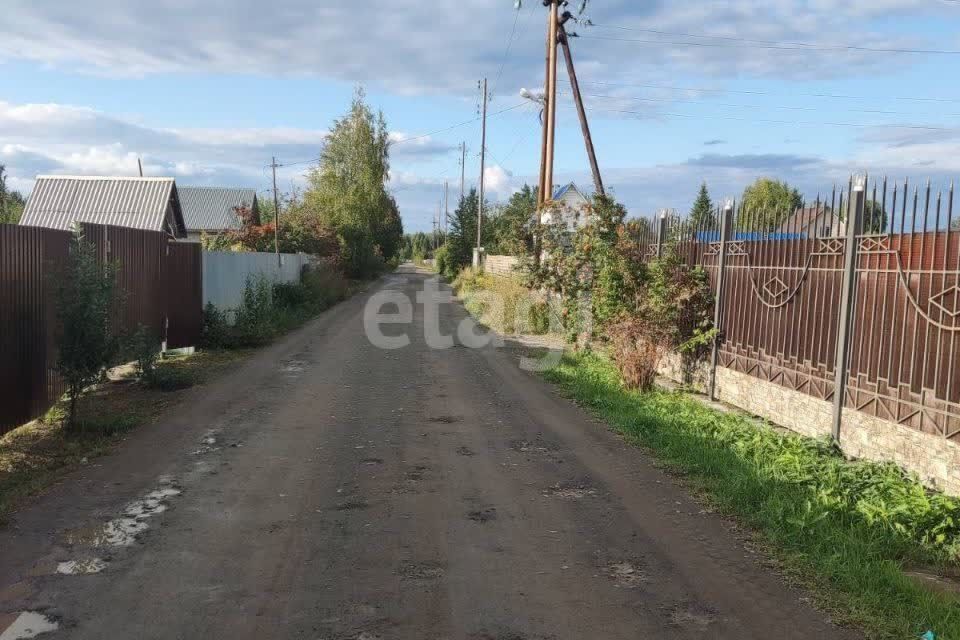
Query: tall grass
{"points": [[845, 529], [503, 303]]}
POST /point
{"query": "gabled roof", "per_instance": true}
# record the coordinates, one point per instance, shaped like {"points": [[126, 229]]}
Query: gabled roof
{"points": [[214, 208], [562, 191], [57, 202], [803, 218]]}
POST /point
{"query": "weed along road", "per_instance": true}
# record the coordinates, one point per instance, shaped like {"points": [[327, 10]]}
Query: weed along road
{"points": [[331, 488]]}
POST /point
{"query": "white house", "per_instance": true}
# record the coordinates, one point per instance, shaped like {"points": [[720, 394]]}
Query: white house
{"points": [[571, 205]]}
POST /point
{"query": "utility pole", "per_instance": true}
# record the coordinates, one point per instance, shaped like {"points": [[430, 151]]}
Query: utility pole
{"points": [[276, 213], [446, 209], [483, 159], [463, 166], [140, 166], [552, 31], [578, 99]]}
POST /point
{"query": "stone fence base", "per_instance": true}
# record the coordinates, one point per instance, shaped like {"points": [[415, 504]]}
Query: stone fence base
{"points": [[934, 459]]}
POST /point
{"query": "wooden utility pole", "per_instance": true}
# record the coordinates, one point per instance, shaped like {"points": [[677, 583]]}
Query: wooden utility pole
{"points": [[463, 166], [578, 99], [276, 213], [552, 31], [541, 185], [483, 158], [446, 209]]}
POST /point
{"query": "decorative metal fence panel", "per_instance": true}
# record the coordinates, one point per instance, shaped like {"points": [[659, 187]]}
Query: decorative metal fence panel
{"points": [[781, 316]]}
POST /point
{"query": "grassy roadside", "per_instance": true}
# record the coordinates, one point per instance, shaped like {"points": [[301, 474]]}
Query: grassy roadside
{"points": [[848, 544]]}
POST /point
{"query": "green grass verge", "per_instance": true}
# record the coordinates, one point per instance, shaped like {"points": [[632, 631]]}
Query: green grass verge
{"points": [[844, 530]]}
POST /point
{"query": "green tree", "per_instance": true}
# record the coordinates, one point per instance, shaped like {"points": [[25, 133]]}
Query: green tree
{"points": [[874, 217], [11, 202], [85, 297], [348, 188], [512, 224], [702, 215], [767, 203], [462, 237]]}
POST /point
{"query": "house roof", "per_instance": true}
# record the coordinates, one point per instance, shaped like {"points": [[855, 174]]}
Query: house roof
{"points": [[803, 218], [213, 208], [562, 191], [57, 202]]}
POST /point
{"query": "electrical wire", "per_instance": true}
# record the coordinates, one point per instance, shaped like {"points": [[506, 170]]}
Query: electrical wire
{"points": [[730, 41], [773, 121], [749, 106], [770, 93]]}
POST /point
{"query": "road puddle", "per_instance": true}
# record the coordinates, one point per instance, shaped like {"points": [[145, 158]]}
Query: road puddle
{"points": [[123, 531], [83, 567], [29, 624]]}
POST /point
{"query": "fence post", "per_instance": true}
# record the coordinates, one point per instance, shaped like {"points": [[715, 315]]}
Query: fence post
{"points": [[726, 226], [661, 233], [848, 295]]}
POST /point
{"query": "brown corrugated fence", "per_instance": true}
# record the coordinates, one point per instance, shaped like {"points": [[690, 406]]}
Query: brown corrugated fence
{"points": [[159, 284]]}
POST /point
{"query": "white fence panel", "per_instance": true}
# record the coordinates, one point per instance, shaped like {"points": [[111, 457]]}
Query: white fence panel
{"points": [[225, 274]]}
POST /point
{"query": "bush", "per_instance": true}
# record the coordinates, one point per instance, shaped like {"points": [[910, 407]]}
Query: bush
{"points": [[539, 318], [441, 261], [267, 311], [85, 300], [216, 329], [169, 378], [144, 347], [636, 353]]}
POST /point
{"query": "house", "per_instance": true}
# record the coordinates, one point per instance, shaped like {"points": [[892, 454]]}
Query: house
{"points": [[573, 206], [150, 204], [213, 210], [813, 222]]}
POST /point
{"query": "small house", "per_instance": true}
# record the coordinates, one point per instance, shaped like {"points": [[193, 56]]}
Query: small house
{"points": [[571, 204], [149, 204], [813, 222], [213, 210]]}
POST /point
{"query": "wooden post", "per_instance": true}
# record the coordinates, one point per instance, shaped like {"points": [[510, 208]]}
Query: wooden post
{"points": [[483, 157], [581, 112], [276, 214], [726, 227], [661, 233], [552, 30], [848, 296]]}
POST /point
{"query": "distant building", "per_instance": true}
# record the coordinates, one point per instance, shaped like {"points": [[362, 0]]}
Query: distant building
{"points": [[574, 207], [213, 210], [813, 222], [150, 204]]}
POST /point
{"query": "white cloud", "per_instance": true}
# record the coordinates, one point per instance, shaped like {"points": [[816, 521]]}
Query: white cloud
{"points": [[497, 180], [432, 47]]}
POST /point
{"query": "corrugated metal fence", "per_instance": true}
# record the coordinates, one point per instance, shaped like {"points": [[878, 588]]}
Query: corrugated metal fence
{"points": [[225, 274], [159, 286]]}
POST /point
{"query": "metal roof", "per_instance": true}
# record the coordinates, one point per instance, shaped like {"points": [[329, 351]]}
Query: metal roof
{"points": [[562, 191], [57, 202], [213, 208]]}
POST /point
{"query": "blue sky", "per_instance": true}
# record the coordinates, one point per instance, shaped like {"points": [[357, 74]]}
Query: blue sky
{"points": [[209, 91]]}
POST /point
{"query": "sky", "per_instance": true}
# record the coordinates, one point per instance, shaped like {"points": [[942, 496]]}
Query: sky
{"points": [[676, 93]]}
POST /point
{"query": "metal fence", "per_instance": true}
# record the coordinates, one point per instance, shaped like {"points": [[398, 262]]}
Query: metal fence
{"points": [[853, 298], [225, 274], [158, 285]]}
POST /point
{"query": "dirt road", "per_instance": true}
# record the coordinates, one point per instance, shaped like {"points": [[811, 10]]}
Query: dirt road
{"points": [[333, 489]]}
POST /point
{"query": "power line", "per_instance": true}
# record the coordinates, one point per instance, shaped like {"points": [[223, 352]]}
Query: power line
{"points": [[770, 93], [772, 121], [506, 53], [751, 106], [744, 43]]}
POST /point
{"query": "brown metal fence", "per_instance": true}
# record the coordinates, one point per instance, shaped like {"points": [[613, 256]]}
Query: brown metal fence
{"points": [[147, 276], [866, 281]]}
